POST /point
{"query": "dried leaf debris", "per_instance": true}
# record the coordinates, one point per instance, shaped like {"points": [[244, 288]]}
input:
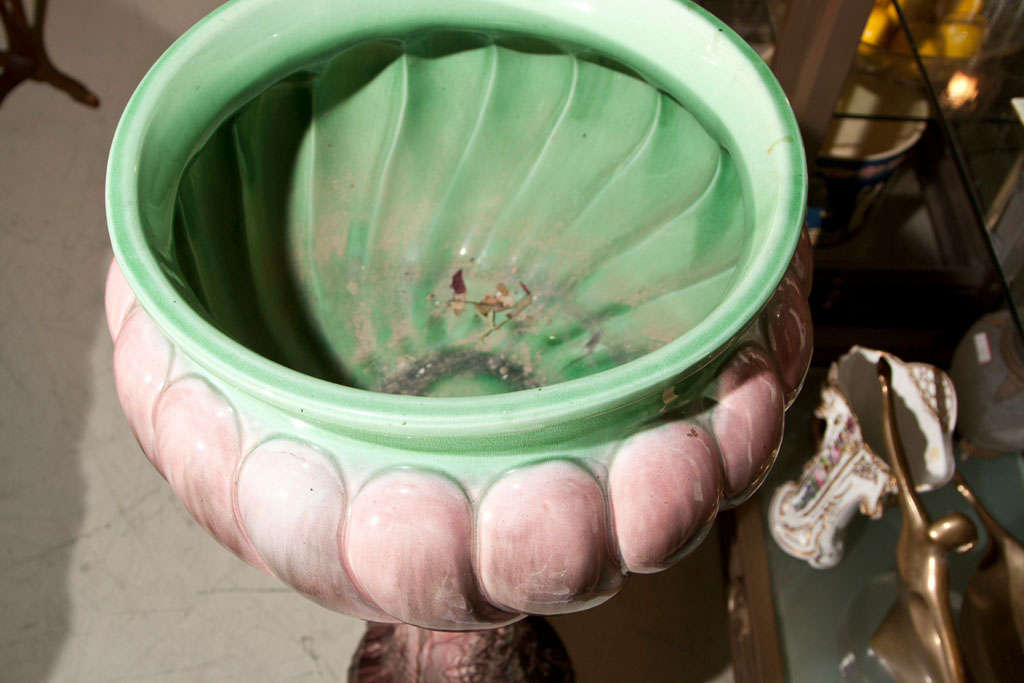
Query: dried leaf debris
{"points": [[502, 300]]}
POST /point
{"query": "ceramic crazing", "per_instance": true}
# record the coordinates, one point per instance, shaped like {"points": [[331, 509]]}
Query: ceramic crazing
{"points": [[665, 487], [414, 528], [747, 420], [545, 545], [198, 448], [790, 335], [408, 541], [293, 502], [142, 357]]}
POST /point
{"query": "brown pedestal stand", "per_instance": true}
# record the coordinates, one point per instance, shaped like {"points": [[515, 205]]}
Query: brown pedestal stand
{"points": [[528, 650]]}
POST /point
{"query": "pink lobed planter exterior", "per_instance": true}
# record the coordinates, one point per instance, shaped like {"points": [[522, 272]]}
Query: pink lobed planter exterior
{"points": [[402, 542]]}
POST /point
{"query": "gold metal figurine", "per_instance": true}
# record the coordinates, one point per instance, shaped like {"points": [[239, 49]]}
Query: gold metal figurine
{"points": [[917, 640], [992, 618]]}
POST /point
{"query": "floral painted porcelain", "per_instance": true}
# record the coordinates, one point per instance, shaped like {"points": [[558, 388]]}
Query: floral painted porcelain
{"points": [[568, 232], [807, 517]]}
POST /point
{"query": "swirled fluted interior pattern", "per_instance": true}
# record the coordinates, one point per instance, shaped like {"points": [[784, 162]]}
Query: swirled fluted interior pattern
{"points": [[322, 225]]}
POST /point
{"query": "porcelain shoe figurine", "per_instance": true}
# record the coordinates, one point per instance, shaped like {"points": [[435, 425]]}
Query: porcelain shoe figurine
{"points": [[807, 517]]}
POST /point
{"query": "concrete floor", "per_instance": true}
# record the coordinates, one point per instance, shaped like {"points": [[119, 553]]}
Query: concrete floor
{"points": [[103, 575]]}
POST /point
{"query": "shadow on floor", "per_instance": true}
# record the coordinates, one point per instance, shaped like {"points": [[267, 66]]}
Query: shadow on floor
{"points": [[54, 350], [662, 627]]}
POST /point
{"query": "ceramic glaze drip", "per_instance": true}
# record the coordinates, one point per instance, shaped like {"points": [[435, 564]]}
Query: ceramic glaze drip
{"points": [[321, 226]]}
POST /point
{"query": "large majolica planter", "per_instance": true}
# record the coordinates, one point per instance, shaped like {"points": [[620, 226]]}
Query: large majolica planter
{"points": [[570, 230]]}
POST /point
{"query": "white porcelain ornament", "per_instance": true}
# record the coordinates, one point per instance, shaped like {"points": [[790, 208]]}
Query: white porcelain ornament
{"points": [[807, 517]]}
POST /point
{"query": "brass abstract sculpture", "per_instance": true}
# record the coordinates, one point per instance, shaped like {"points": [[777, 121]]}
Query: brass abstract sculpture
{"points": [[917, 640], [992, 618]]}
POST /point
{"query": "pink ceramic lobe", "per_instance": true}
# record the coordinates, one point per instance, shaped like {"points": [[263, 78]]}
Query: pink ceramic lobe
{"points": [[199, 446], [543, 540], [802, 265], [790, 334], [747, 422], [118, 299], [665, 485], [142, 357], [408, 543], [292, 502]]}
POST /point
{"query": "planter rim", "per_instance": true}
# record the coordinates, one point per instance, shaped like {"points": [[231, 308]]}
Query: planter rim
{"points": [[677, 46]]}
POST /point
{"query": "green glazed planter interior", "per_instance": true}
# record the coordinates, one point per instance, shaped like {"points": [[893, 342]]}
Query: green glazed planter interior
{"points": [[299, 205], [359, 189]]}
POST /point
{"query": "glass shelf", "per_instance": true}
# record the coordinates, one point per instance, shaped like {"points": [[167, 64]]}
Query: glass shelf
{"points": [[825, 616], [909, 259], [966, 59]]}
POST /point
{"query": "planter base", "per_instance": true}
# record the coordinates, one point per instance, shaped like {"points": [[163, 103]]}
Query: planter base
{"points": [[527, 650]]}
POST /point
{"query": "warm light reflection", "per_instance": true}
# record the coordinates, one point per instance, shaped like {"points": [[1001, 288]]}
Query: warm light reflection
{"points": [[961, 90]]}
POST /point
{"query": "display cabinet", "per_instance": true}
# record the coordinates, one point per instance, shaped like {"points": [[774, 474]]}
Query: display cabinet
{"points": [[917, 210]]}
